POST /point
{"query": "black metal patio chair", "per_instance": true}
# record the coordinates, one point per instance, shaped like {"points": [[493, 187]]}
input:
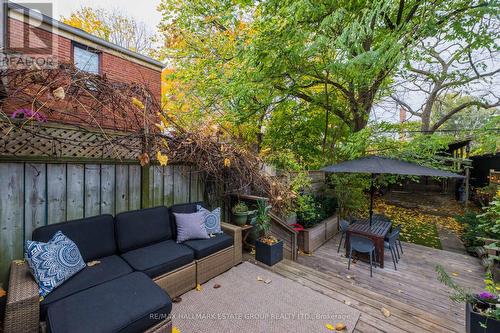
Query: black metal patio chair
{"points": [[344, 225], [391, 245], [362, 245], [398, 229]]}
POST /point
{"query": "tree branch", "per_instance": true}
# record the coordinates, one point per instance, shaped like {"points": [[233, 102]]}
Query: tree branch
{"points": [[469, 79], [400, 11], [460, 108], [406, 106]]}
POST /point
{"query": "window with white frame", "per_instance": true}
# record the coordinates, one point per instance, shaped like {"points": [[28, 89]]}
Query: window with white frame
{"points": [[86, 58]]}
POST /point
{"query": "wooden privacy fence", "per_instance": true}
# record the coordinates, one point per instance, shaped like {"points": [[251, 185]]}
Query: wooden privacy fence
{"points": [[34, 194]]}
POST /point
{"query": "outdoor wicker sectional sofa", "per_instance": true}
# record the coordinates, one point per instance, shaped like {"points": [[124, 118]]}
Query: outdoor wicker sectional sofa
{"points": [[134, 249]]}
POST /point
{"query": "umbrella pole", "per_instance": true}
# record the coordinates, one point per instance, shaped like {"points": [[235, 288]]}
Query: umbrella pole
{"points": [[372, 189]]}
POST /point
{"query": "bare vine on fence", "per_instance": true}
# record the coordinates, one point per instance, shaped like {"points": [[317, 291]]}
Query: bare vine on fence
{"points": [[125, 116]]}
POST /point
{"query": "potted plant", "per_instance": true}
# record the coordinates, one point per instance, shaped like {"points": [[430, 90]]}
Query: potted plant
{"points": [[268, 249], [240, 213], [482, 311]]}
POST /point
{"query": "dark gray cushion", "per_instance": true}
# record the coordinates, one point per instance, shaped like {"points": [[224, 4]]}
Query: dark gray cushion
{"points": [[159, 258], [94, 236], [142, 227], [205, 247], [110, 268], [186, 208], [131, 303]]}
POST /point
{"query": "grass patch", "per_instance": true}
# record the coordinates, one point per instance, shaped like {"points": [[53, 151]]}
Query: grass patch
{"points": [[416, 227], [420, 233]]}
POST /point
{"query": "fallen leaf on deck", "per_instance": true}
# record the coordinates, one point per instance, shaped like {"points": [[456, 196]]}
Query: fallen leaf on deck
{"points": [[175, 330], [330, 327], [386, 312], [259, 278], [2, 292], [469, 270], [340, 327], [198, 287], [93, 263], [176, 299], [252, 252], [346, 302], [348, 276], [454, 274], [400, 291], [267, 281], [216, 286]]}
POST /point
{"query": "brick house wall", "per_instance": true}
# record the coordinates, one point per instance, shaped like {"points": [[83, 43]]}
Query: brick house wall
{"points": [[116, 66]]}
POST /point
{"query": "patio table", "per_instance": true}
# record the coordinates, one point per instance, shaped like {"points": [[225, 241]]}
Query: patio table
{"points": [[376, 232]]}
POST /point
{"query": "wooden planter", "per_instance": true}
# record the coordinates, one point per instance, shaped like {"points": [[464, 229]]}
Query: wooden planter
{"points": [[311, 238]]}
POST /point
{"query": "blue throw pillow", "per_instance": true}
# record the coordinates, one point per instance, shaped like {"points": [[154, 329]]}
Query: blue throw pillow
{"points": [[212, 220], [53, 262], [190, 226]]}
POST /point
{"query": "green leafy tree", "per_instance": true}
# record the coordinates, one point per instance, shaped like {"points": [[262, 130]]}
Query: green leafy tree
{"points": [[296, 76], [113, 26], [467, 121]]}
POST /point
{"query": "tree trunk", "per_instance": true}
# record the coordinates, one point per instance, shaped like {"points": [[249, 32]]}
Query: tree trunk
{"points": [[427, 111]]}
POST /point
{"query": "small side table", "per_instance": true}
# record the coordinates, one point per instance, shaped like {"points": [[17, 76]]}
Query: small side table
{"points": [[245, 231]]}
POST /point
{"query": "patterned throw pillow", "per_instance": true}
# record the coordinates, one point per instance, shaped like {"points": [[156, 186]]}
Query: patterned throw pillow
{"points": [[53, 262], [212, 220]]}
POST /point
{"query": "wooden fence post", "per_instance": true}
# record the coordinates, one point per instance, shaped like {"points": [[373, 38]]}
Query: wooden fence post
{"points": [[145, 199]]}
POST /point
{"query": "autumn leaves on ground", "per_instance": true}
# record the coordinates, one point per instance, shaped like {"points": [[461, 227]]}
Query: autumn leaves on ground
{"points": [[418, 225]]}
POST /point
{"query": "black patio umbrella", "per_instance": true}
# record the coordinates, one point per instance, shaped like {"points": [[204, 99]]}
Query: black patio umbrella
{"points": [[383, 165]]}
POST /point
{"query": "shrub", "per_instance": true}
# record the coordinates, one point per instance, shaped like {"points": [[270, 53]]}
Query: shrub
{"points": [[311, 211], [350, 193], [471, 230], [489, 221], [308, 210]]}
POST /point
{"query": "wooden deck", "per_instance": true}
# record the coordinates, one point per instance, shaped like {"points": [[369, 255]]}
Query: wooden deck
{"points": [[416, 300]]}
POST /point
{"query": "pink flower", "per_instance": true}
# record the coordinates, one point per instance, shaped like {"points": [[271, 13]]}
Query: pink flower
{"points": [[28, 113], [487, 296]]}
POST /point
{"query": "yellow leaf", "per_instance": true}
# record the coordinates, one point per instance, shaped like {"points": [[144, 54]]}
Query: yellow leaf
{"points": [[386, 312], [454, 274], [137, 103], [265, 151], [162, 159], [198, 287], [175, 330], [330, 327], [93, 263], [160, 127], [227, 162], [163, 119]]}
